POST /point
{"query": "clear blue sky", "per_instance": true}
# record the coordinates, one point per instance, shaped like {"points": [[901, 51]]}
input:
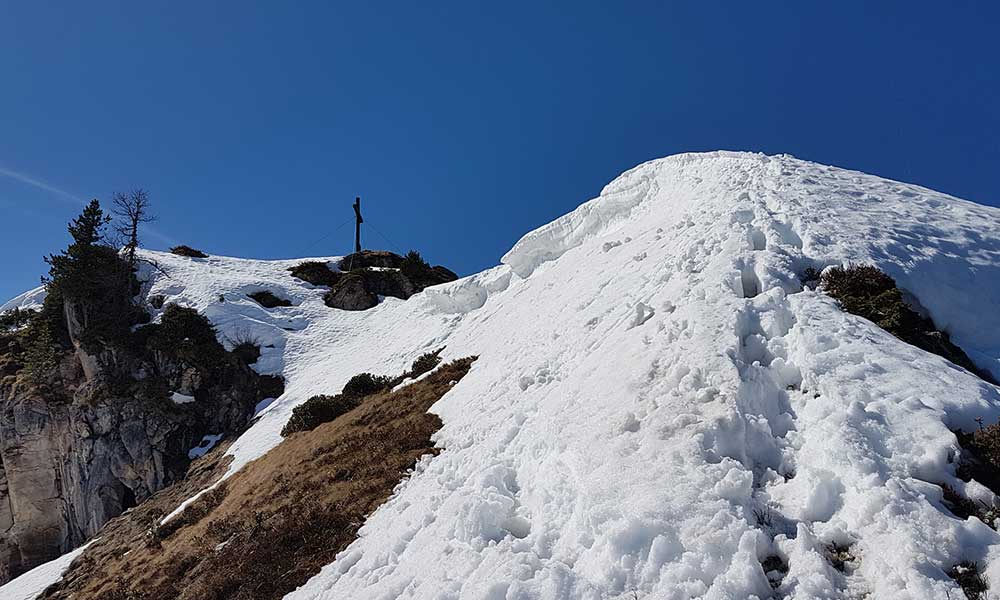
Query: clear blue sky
{"points": [[462, 124]]}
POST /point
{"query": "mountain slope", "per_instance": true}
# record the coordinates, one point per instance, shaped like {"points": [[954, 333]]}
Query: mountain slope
{"points": [[659, 407]]}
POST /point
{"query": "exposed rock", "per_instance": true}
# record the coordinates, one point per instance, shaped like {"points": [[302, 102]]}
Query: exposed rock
{"points": [[367, 259], [389, 283], [372, 273], [316, 273], [351, 293], [101, 436]]}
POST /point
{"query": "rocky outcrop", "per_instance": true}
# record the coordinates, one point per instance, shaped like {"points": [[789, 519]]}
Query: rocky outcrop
{"points": [[351, 293], [103, 434], [366, 275]]}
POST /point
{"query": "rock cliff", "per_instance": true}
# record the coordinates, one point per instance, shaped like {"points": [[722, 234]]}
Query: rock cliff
{"points": [[106, 431]]}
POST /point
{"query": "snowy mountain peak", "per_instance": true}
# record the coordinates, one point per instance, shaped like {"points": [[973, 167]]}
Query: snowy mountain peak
{"points": [[660, 408]]}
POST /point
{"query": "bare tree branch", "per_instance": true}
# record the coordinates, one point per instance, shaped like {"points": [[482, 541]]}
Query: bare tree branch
{"points": [[133, 210]]}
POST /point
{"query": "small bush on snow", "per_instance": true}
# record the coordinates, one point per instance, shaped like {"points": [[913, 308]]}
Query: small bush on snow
{"points": [[268, 300], [188, 251], [426, 362]]}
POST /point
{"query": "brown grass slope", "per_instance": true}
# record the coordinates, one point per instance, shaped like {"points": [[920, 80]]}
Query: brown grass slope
{"points": [[274, 524]]}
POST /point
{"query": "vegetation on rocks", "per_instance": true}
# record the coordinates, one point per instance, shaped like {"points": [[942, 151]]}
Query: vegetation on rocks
{"points": [[188, 251], [90, 284], [866, 291], [315, 272], [274, 524]]}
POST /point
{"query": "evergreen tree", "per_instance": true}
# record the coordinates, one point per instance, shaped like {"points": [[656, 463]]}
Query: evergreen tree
{"points": [[91, 282]]}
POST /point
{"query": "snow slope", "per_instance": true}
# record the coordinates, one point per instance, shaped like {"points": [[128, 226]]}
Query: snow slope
{"points": [[658, 405], [29, 585], [29, 300]]}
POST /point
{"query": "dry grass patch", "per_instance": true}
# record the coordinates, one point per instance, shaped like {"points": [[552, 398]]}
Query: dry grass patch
{"points": [[281, 518]]}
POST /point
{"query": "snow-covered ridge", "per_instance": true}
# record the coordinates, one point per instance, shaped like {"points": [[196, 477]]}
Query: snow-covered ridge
{"points": [[658, 405]]}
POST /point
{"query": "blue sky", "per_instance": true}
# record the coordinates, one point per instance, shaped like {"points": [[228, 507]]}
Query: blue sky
{"points": [[462, 125]]}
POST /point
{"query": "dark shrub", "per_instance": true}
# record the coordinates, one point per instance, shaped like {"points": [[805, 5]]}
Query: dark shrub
{"points": [[42, 351], [246, 347], [157, 301], [968, 577], [414, 266], [270, 386], [188, 251], [866, 291], [318, 410], [981, 459], [426, 362], [366, 384], [370, 258], [316, 273], [963, 507], [248, 352], [268, 299], [986, 442], [184, 333]]}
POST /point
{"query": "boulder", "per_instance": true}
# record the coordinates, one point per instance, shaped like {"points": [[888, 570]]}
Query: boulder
{"points": [[351, 293]]}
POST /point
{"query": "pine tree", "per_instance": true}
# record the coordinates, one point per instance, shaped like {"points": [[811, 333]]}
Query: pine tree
{"points": [[90, 278]]}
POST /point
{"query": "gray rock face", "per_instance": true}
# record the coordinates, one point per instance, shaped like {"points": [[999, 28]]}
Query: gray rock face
{"points": [[75, 454], [351, 293]]}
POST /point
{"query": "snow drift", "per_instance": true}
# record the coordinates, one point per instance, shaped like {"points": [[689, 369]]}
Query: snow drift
{"points": [[659, 405]]}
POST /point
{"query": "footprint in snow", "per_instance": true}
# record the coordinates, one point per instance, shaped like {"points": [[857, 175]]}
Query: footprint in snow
{"points": [[643, 313]]}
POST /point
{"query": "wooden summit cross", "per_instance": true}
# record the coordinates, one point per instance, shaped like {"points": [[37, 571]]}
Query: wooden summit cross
{"points": [[357, 224]]}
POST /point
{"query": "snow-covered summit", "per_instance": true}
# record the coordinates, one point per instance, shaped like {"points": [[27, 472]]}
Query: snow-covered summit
{"points": [[659, 406]]}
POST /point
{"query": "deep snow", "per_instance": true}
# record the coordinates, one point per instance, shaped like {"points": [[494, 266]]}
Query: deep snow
{"points": [[658, 405]]}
